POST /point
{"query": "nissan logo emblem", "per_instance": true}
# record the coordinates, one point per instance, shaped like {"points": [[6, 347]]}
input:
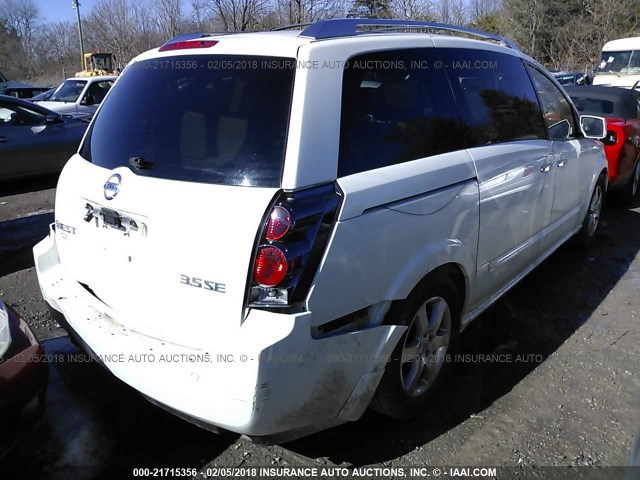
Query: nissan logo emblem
{"points": [[112, 186]]}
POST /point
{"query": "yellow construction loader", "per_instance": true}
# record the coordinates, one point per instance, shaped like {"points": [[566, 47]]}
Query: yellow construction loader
{"points": [[98, 64]]}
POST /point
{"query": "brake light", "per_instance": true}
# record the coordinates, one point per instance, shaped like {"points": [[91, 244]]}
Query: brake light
{"points": [[290, 246], [185, 45], [278, 224], [270, 267]]}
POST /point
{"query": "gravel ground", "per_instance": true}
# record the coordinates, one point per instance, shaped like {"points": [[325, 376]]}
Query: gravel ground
{"points": [[568, 396]]}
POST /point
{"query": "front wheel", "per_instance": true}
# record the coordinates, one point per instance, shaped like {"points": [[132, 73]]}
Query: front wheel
{"points": [[423, 354], [591, 220]]}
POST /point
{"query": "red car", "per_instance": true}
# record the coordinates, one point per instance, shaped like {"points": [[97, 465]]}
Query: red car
{"points": [[23, 377], [621, 108]]}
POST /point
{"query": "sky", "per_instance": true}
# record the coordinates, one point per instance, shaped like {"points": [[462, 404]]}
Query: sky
{"points": [[62, 10]]}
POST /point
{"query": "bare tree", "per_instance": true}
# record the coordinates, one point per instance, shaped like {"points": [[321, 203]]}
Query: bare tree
{"points": [[239, 15], [482, 8], [10, 51], [305, 11], [170, 17], [22, 16], [452, 11], [58, 41], [146, 34], [111, 27], [413, 9], [202, 15], [524, 21]]}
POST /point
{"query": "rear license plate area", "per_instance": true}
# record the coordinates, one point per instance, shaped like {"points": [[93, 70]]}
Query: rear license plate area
{"points": [[112, 218]]}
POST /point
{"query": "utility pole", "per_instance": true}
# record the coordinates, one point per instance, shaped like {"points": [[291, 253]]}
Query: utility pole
{"points": [[76, 5]]}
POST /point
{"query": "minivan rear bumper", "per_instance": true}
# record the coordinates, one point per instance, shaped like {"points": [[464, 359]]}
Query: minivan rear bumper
{"points": [[267, 378]]}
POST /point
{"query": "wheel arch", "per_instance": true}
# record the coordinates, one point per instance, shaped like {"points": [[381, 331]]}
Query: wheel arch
{"points": [[452, 271]]}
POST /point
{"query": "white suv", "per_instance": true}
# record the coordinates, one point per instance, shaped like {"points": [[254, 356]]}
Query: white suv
{"points": [[270, 232]]}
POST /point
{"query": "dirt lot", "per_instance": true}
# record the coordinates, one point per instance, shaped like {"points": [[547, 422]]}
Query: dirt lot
{"points": [[567, 391]]}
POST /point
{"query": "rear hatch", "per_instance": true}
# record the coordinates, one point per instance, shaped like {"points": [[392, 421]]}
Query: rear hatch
{"points": [[159, 212]]}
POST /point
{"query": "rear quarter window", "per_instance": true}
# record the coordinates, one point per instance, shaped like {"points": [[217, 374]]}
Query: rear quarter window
{"points": [[395, 108], [214, 119], [404, 105]]}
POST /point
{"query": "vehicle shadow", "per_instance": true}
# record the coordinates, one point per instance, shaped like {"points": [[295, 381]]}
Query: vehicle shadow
{"points": [[28, 185], [17, 238], [533, 320], [19, 235], [97, 427]]}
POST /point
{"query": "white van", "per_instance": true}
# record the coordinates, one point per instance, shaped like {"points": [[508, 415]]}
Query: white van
{"points": [[270, 232], [620, 64]]}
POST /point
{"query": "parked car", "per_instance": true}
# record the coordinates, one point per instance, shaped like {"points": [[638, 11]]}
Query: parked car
{"points": [[276, 230], [34, 140], [11, 85], [46, 95], [25, 92], [621, 108], [23, 377], [79, 96], [575, 78]]}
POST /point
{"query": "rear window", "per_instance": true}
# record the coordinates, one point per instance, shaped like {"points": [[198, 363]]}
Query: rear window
{"points": [[593, 106], [214, 119]]}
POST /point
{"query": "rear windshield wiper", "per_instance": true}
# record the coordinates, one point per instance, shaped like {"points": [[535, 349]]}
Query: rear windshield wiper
{"points": [[141, 163]]}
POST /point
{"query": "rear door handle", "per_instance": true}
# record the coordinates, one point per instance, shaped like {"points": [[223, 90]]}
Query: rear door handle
{"points": [[562, 162], [546, 168], [4, 139]]}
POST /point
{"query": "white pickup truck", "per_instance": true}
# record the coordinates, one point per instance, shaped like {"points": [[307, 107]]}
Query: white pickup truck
{"points": [[79, 96], [620, 64]]}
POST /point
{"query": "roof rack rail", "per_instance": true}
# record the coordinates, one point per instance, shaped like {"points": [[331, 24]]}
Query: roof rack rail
{"points": [[185, 37], [347, 27], [293, 26]]}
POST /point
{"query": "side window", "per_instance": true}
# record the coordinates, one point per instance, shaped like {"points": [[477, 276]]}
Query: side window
{"points": [[396, 107], [558, 114], [97, 91], [495, 95], [19, 116]]}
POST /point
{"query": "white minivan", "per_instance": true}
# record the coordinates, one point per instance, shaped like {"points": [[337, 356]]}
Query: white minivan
{"points": [[270, 232]]}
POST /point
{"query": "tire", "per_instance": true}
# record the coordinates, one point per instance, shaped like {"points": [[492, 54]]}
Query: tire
{"points": [[625, 193], [591, 220], [630, 189], [421, 359]]}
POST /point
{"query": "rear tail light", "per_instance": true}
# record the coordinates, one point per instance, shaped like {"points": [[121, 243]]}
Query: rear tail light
{"points": [[278, 224], [271, 267], [290, 246]]}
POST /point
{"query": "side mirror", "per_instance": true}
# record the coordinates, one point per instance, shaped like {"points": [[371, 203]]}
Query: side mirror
{"points": [[53, 120], [593, 127]]}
